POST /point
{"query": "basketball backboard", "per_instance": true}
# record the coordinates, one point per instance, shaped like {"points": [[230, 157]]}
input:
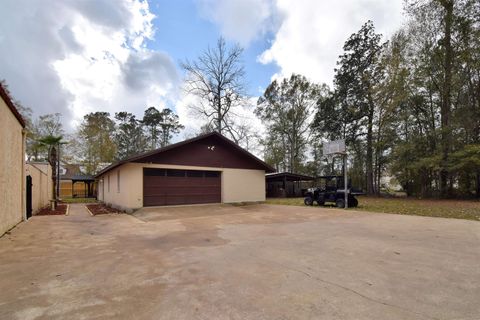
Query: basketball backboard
{"points": [[334, 147]]}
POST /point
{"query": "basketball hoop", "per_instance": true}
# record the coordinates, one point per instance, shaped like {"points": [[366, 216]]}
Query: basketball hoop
{"points": [[329, 157], [330, 150]]}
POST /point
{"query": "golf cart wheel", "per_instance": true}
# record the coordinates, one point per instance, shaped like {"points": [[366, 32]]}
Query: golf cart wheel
{"points": [[308, 201], [354, 203], [340, 203], [321, 203]]}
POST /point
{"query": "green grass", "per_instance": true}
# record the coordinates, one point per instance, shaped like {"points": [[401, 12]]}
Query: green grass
{"points": [[79, 200], [458, 209]]}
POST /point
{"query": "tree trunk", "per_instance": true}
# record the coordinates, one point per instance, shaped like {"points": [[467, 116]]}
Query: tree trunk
{"points": [[219, 111], [478, 185], [423, 183], [294, 150], [407, 189], [379, 178], [53, 164], [369, 157], [446, 97], [153, 138]]}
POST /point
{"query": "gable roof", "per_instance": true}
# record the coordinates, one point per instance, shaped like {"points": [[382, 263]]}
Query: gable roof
{"points": [[231, 144], [8, 101], [71, 169]]}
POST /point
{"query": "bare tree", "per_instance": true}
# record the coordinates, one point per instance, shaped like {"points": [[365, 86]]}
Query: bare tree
{"points": [[217, 77]]}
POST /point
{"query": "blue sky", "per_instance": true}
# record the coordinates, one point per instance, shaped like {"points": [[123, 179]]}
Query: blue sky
{"points": [[182, 31]]}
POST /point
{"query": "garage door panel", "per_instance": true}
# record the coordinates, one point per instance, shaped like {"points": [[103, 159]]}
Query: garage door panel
{"points": [[171, 187]]}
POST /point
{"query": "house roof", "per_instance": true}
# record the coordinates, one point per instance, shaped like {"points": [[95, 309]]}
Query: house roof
{"points": [[143, 156], [8, 101], [287, 176], [71, 170], [83, 177]]}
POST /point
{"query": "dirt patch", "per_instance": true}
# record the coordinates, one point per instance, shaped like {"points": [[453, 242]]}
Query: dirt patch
{"points": [[96, 209], [47, 211]]}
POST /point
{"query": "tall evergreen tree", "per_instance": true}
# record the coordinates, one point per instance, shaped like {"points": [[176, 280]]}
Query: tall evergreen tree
{"points": [[169, 125], [355, 80], [151, 120], [286, 108], [129, 135], [160, 126], [96, 135]]}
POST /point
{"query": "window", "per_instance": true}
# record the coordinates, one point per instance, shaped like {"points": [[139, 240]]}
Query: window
{"points": [[118, 181], [151, 172], [212, 174], [176, 173], [108, 186], [194, 173]]}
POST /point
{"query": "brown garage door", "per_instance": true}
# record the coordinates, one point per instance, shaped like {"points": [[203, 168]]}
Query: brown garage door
{"points": [[169, 187]]}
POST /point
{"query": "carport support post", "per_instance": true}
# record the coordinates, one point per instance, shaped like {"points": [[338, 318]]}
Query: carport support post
{"points": [[345, 178]]}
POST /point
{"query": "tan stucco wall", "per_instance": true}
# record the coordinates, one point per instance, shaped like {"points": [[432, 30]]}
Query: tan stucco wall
{"points": [[41, 174], [238, 185], [12, 161], [130, 194], [241, 185]]}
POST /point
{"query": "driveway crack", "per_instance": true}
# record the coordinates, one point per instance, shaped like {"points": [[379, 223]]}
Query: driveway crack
{"points": [[318, 279]]}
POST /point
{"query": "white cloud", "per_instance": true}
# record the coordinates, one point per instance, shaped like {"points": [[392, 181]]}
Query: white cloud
{"points": [[239, 20], [311, 35], [192, 122], [308, 34], [76, 57]]}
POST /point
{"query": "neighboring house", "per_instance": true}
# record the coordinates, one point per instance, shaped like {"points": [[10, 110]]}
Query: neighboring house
{"points": [[206, 169], [286, 184], [388, 183], [75, 184], [39, 176], [12, 164]]}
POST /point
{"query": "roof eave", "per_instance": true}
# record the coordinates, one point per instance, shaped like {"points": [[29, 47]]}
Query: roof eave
{"points": [[135, 158], [8, 101]]}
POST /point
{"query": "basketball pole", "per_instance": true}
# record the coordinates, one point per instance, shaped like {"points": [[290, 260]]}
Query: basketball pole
{"points": [[345, 179]]}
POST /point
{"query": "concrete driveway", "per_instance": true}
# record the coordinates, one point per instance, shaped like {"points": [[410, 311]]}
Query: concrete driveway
{"points": [[245, 262]]}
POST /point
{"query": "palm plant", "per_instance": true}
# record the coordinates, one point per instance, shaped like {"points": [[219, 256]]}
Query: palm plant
{"points": [[52, 142]]}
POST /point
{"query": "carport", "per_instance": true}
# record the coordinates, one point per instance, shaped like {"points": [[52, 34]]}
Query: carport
{"points": [[89, 183], [286, 184]]}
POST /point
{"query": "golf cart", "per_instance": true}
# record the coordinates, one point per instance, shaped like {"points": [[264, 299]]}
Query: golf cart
{"points": [[331, 189]]}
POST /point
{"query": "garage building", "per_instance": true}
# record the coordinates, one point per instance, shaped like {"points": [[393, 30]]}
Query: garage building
{"points": [[207, 169]]}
